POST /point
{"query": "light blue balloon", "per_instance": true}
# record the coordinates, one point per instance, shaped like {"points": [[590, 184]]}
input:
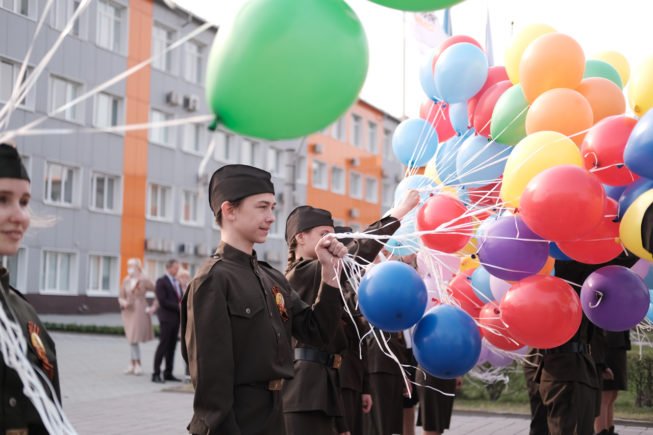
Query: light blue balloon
{"points": [[479, 162], [405, 246], [414, 142], [426, 79], [459, 117], [638, 154], [445, 160], [460, 72], [649, 315], [481, 285], [417, 182], [648, 279]]}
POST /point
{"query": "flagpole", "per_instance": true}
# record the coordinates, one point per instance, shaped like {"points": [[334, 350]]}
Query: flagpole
{"points": [[403, 69]]}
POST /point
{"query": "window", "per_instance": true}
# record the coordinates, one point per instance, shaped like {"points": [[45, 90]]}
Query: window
{"points": [[388, 194], [387, 144], [105, 192], [250, 153], [276, 229], [337, 180], [15, 265], [340, 130], [154, 268], [371, 132], [302, 170], [194, 138], [190, 208], [103, 274], [109, 25], [22, 7], [161, 135], [320, 175], [159, 204], [61, 13], [57, 272], [60, 184], [8, 74], [371, 190], [355, 186], [356, 127], [161, 40], [108, 110], [225, 147], [63, 91], [275, 161], [193, 65]]}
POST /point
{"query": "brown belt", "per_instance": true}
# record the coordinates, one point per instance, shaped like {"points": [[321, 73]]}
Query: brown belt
{"points": [[318, 356]]}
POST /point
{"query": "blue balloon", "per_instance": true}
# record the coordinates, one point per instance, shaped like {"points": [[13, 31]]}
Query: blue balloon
{"points": [[460, 72], [459, 117], [414, 142], [631, 193], [481, 285], [446, 342], [392, 296], [614, 192], [638, 154], [649, 314], [426, 78], [398, 245], [648, 279], [556, 253], [416, 182], [480, 162], [445, 160]]}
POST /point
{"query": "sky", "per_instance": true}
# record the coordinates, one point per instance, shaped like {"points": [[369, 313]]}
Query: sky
{"points": [[598, 25]]}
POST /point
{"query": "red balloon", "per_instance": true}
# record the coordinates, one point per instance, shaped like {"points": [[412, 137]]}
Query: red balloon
{"points": [[563, 203], [495, 75], [494, 330], [446, 213], [486, 196], [437, 114], [601, 244], [603, 150], [460, 289], [452, 40], [542, 311], [485, 107]]}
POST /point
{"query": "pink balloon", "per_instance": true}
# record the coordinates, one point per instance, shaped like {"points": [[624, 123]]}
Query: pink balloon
{"points": [[437, 264], [641, 268], [499, 287]]}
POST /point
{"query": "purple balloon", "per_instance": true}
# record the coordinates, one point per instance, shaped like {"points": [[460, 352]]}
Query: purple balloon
{"points": [[614, 298], [511, 251], [497, 359], [641, 268]]}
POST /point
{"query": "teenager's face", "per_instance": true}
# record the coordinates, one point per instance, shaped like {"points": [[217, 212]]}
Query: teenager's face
{"points": [[309, 239], [14, 215], [254, 217]]}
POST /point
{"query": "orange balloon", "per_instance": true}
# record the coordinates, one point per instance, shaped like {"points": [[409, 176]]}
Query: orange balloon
{"points": [[554, 60], [548, 267], [563, 110], [604, 96]]}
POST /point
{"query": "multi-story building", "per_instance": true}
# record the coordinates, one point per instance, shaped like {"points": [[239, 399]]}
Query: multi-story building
{"points": [[104, 197]]}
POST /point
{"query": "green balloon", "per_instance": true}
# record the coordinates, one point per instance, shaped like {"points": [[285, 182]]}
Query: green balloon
{"points": [[599, 68], [286, 68], [508, 125], [417, 5]]}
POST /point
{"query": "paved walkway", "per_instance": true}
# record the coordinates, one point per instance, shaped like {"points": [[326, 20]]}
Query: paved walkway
{"points": [[99, 399]]}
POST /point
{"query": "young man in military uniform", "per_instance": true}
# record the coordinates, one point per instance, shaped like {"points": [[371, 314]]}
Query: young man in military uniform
{"points": [[239, 314], [18, 416]]}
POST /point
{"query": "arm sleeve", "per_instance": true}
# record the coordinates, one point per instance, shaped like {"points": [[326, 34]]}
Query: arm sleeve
{"points": [[209, 351], [161, 296], [316, 325], [366, 250]]}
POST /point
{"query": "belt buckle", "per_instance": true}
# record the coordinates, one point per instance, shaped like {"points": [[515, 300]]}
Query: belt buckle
{"points": [[275, 385], [21, 431], [337, 361]]}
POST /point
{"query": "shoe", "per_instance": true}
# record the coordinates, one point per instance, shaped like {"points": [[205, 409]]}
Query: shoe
{"points": [[171, 378], [138, 370], [130, 370], [611, 431], [156, 378]]}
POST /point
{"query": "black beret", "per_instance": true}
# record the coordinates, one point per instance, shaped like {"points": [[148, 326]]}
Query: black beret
{"points": [[234, 182], [304, 218], [11, 165]]}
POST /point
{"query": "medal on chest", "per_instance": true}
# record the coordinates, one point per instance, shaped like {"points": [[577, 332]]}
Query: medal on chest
{"points": [[281, 302], [39, 348]]}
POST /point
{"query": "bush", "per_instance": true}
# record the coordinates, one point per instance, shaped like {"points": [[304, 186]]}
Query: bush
{"points": [[640, 378], [89, 329]]}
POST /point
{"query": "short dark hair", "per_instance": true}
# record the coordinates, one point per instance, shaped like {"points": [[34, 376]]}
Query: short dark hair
{"points": [[218, 214], [171, 262]]}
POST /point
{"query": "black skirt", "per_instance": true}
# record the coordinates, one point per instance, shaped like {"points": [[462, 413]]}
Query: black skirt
{"points": [[435, 408], [617, 361]]}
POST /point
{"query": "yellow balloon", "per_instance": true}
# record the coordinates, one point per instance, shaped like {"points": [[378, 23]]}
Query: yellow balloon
{"points": [[469, 263], [519, 44], [618, 61], [630, 228], [431, 172], [535, 153], [640, 88]]}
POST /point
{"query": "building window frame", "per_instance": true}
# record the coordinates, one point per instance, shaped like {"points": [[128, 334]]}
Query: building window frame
{"points": [[46, 270]]}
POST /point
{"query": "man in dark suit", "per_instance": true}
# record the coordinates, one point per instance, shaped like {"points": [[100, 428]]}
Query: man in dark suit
{"points": [[168, 294]]}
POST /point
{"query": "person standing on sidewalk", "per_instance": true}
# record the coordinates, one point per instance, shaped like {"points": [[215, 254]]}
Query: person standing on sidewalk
{"points": [[240, 314], [168, 295], [17, 413]]}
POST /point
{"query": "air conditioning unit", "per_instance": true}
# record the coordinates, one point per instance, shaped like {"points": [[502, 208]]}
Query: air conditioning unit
{"points": [[167, 246], [355, 162], [318, 148], [191, 102], [152, 245], [354, 213], [173, 98]]}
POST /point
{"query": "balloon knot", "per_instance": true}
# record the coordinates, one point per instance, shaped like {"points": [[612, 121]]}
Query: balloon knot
{"points": [[473, 256]]}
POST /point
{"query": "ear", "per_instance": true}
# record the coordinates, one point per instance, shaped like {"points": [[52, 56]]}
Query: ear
{"points": [[300, 239], [228, 211]]}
